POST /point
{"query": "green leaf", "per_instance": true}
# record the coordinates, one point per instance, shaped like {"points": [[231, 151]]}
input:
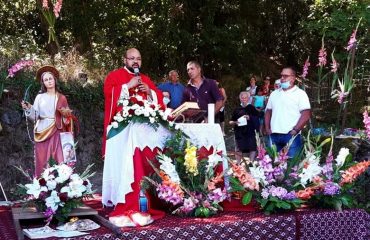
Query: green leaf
{"points": [[263, 202], [52, 162], [247, 198], [270, 207], [235, 184], [202, 212], [285, 205]]}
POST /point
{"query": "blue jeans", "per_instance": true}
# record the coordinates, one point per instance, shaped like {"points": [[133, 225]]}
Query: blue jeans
{"points": [[281, 140]]}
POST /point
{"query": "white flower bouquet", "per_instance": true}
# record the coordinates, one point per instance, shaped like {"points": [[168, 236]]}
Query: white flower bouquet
{"points": [[58, 191], [136, 109]]}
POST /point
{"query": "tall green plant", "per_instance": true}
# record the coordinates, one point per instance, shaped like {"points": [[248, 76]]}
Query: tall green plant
{"points": [[50, 10]]}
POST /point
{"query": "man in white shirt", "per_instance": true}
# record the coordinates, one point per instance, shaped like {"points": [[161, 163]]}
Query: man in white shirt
{"points": [[287, 112]]}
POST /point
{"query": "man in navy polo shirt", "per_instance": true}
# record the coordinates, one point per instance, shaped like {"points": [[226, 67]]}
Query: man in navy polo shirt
{"points": [[174, 87], [201, 90]]}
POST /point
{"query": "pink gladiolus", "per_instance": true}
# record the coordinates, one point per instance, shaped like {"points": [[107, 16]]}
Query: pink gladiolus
{"points": [[352, 41], [305, 68], [45, 4], [334, 65], [19, 66], [341, 97], [322, 57], [57, 8], [367, 124]]}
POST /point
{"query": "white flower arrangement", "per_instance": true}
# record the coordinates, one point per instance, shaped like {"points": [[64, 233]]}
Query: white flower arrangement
{"points": [[137, 109], [58, 190]]}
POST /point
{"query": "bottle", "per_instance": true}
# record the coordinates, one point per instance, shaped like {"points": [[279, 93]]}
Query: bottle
{"points": [[143, 202]]}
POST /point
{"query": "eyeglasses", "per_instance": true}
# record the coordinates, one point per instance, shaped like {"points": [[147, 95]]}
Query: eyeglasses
{"points": [[286, 75], [133, 59]]}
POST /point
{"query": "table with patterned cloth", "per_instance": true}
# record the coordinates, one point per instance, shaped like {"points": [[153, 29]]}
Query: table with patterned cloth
{"points": [[326, 225], [307, 225]]}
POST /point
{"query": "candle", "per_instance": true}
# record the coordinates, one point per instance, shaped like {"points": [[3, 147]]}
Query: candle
{"points": [[211, 113]]}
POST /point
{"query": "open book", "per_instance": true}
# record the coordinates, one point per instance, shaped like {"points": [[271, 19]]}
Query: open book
{"points": [[188, 110], [46, 232]]}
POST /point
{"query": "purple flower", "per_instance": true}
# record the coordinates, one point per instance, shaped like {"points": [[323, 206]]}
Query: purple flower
{"points": [[278, 172], [331, 188], [305, 68], [290, 195], [322, 57], [293, 175], [341, 97], [283, 156], [366, 122], [265, 193], [328, 167], [217, 195], [352, 41], [169, 194], [278, 192], [49, 213], [327, 170], [188, 206], [330, 158]]}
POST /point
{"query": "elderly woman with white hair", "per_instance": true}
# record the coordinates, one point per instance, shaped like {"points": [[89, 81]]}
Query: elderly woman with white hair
{"points": [[245, 120]]}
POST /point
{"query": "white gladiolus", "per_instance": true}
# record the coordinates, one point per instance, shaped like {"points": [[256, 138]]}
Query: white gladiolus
{"points": [[312, 170], [341, 158], [168, 167], [258, 174], [213, 159]]}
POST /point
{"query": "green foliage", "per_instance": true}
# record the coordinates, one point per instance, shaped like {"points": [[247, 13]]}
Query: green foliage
{"points": [[247, 198], [275, 205], [62, 213]]}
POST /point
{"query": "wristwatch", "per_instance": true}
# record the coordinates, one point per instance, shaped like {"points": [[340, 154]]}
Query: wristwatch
{"points": [[295, 130]]}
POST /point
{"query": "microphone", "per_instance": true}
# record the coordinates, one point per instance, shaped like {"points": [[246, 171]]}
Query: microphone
{"points": [[137, 71]]}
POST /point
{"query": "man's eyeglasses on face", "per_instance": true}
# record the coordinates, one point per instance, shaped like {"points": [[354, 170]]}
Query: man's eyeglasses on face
{"points": [[133, 59]]}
